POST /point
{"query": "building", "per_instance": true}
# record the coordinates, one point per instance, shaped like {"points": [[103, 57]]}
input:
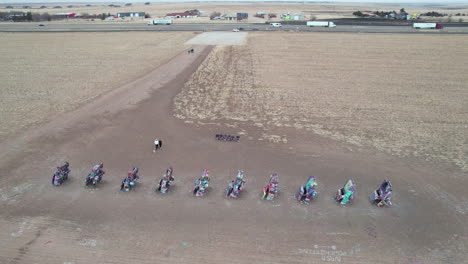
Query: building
{"points": [[15, 14], [131, 14], [182, 15], [242, 16], [296, 17], [235, 16], [64, 15], [231, 16]]}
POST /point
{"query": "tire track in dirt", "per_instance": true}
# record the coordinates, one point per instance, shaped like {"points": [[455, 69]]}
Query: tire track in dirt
{"points": [[22, 251]]}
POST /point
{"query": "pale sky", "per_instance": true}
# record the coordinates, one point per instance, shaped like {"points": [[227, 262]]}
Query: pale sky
{"points": [[165, 1]]}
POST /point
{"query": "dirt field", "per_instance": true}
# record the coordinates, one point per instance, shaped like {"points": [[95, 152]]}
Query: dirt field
{"points": [[73, 224], [402, 94], [319, 10], [44, 75], [219, 38]]}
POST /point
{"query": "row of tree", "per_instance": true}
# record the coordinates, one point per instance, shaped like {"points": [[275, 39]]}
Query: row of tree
{"points": [[402, 13], [214, 14], [437, 14], [381, 13], [434, 14]]}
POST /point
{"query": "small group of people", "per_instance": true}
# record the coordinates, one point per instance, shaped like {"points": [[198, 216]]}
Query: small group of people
{"points": [[225, 137], [191, 51]]}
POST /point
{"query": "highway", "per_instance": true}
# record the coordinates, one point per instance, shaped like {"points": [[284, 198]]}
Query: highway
{"points": [[122, 27]]}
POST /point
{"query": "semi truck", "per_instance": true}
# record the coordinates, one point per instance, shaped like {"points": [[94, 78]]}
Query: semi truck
{"points": [[320, 24], [160, 22], [427, 26]]}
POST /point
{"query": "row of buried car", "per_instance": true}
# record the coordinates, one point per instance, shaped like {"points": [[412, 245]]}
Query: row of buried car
{"points": [[380, 197]]}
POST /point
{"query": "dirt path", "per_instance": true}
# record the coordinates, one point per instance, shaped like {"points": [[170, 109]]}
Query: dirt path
{"points": [[74, 224], [94, 113]]}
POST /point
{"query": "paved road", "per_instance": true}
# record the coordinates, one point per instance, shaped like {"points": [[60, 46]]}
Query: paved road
{"points": [[34, 27]]}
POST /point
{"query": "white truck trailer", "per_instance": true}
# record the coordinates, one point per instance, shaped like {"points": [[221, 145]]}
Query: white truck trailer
{"points": [[320, 24], [427, 26], [160, 22]]}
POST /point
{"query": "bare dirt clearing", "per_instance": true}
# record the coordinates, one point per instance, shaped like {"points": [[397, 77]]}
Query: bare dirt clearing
{"points": [[402, 94], [219, 38], [46, 74]]}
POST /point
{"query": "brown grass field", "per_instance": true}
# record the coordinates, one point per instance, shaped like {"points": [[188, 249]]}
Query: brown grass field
{"points": [[402, 94], [44, 75]]}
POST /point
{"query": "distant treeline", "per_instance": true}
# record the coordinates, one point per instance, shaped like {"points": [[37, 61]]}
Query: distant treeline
{"points": [[437, 14], [402, 13]]}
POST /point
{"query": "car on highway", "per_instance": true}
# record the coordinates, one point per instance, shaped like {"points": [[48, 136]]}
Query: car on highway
{"points": [[41, 25], [235, 30]]}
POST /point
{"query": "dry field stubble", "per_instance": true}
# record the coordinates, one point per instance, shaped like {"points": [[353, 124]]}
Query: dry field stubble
{"points": [[46, 74], [403, 94]]}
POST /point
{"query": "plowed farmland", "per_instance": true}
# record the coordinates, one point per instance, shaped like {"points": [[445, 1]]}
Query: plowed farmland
{"points": [[403, 94]]}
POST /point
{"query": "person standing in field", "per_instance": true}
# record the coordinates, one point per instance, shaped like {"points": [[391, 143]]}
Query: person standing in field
{"points": [[157, 145]]}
